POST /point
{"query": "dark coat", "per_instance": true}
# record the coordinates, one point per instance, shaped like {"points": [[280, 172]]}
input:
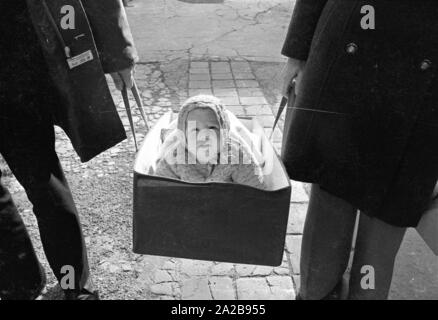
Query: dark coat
{"points": [[86, 110], [365, 125]]}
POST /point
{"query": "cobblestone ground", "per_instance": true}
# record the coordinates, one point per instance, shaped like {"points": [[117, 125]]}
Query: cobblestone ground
{"points": [[103, 192], [197, 48]]}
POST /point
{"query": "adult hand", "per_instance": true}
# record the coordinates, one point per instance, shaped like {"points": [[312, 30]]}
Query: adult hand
{"points": [[123, 77], [292, 70]]}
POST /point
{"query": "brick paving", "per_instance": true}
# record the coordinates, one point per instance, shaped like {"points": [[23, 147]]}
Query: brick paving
{"points": [[102, 187], [235, 83], [178, 59]]}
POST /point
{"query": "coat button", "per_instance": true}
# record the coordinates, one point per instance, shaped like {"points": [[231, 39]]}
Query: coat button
{"points": [[351, 48], [425, 64]]}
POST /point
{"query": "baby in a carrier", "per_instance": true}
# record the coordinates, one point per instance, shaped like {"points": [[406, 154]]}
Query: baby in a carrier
{"points": [[205, 146]]}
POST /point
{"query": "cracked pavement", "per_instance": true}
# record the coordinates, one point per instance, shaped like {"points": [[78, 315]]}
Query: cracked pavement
{"points": [[249, 29], [232, 50]]}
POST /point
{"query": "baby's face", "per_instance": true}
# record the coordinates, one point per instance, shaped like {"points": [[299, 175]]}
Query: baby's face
{"points": [[203, 128]]}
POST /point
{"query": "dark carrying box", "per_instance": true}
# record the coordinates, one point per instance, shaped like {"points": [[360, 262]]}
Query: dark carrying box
{"points": [[210, 221]]}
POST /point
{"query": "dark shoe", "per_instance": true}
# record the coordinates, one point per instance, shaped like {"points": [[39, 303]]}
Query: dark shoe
{"points": [[83, 295], [38, 293], [335, 294]]}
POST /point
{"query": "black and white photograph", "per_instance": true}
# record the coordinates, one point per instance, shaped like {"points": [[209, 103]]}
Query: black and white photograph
{"points": [[218, 154]]}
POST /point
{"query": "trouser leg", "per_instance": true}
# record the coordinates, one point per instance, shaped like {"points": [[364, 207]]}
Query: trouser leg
{"points": [[376, 248], [21, 275], [32, 158], [326, 244]]}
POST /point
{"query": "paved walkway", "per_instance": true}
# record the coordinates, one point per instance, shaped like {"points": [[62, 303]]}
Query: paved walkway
{"points": [[103, 192], [170, 29], [231, 50], [235, 83]]}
